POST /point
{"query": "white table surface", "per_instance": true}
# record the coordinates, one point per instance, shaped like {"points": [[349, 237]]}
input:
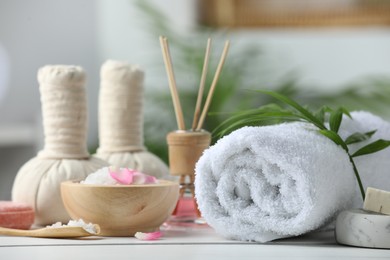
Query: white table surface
{"points": [[183, 243]]}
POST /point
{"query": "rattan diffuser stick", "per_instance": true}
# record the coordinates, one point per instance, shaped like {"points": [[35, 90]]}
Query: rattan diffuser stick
{"points": [[65, 156], [172, 83], [197, 125], [186, 147], [213, 85], [201, 85]]}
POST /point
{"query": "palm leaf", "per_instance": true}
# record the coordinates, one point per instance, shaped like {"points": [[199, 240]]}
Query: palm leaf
{"points": [[246, 114], [359, 137], [320, 113], [304, 112], [255, 120], [334, 137], [335, 120], [372, 147]]}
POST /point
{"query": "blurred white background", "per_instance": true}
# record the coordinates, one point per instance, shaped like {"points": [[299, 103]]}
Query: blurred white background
{"points": [[86, 33]]}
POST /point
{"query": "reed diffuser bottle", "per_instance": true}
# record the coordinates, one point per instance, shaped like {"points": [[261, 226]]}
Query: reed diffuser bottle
{"points": [[186, 146]]}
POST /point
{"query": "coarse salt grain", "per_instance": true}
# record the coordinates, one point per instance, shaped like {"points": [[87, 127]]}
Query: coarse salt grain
{"points": [[89, 227], [101, 176]]}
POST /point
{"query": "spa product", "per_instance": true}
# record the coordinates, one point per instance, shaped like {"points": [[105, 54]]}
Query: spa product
{"points": [[186, 146], [185, 149], [358, 227], [121, 120], [118, 176], [16, 215], [121, 210], [377, 201], [65, 155], [265, 183], [367, 227]]}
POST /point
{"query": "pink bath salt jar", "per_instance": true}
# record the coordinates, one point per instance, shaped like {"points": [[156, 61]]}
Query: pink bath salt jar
{"points": [[16, 215]]}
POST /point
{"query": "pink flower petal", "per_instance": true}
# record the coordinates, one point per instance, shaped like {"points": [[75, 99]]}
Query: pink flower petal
{"points": [[123, 176], [141, 178], [148, 236], [129, 176], [150, 179]]}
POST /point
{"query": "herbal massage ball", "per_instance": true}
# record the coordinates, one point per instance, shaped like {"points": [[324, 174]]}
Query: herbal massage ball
{"points": [[121, 120], [65, 156]]}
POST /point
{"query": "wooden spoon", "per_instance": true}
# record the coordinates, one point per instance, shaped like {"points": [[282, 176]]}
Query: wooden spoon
{"points": [[50, 232]]}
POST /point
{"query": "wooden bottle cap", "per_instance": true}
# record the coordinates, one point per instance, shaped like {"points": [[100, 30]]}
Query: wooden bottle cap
{"points": [[185, 149]]}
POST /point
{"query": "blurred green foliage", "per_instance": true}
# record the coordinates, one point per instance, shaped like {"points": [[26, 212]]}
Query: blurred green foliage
{"points": [[243, 67]]}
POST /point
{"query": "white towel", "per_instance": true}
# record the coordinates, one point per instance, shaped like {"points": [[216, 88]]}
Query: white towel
{"points": [[265, 183], [374, 169]]}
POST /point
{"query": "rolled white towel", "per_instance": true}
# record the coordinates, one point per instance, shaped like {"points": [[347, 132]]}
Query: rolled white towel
{"points": [[374, 169], [265, 183]]}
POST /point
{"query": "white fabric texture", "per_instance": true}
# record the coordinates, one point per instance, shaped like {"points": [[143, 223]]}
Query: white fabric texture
{"points": [[265, 183], [65, 156], [374, 169], [120, 107], [121, 120], [64, 112]]}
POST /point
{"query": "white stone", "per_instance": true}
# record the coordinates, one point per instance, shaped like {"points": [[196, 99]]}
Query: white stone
{"points": [[362, 228]]}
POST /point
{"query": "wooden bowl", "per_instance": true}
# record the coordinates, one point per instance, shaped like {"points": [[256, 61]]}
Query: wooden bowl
{"points": [[121, 210]]}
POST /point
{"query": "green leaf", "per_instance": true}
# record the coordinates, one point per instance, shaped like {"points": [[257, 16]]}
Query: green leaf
{"points": [[258, 119], [320, 114], [304, 112], [372, 147], [335, 120], [359, 137], [336, 117], [242, 115], [345, 112], [236, 118], [334, 137]]}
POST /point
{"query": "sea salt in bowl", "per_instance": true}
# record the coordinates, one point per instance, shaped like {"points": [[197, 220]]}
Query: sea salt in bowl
{"points": [[121, 210]]}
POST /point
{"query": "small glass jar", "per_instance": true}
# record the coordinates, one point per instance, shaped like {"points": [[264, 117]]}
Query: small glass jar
{"points": [[185, 148]]}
